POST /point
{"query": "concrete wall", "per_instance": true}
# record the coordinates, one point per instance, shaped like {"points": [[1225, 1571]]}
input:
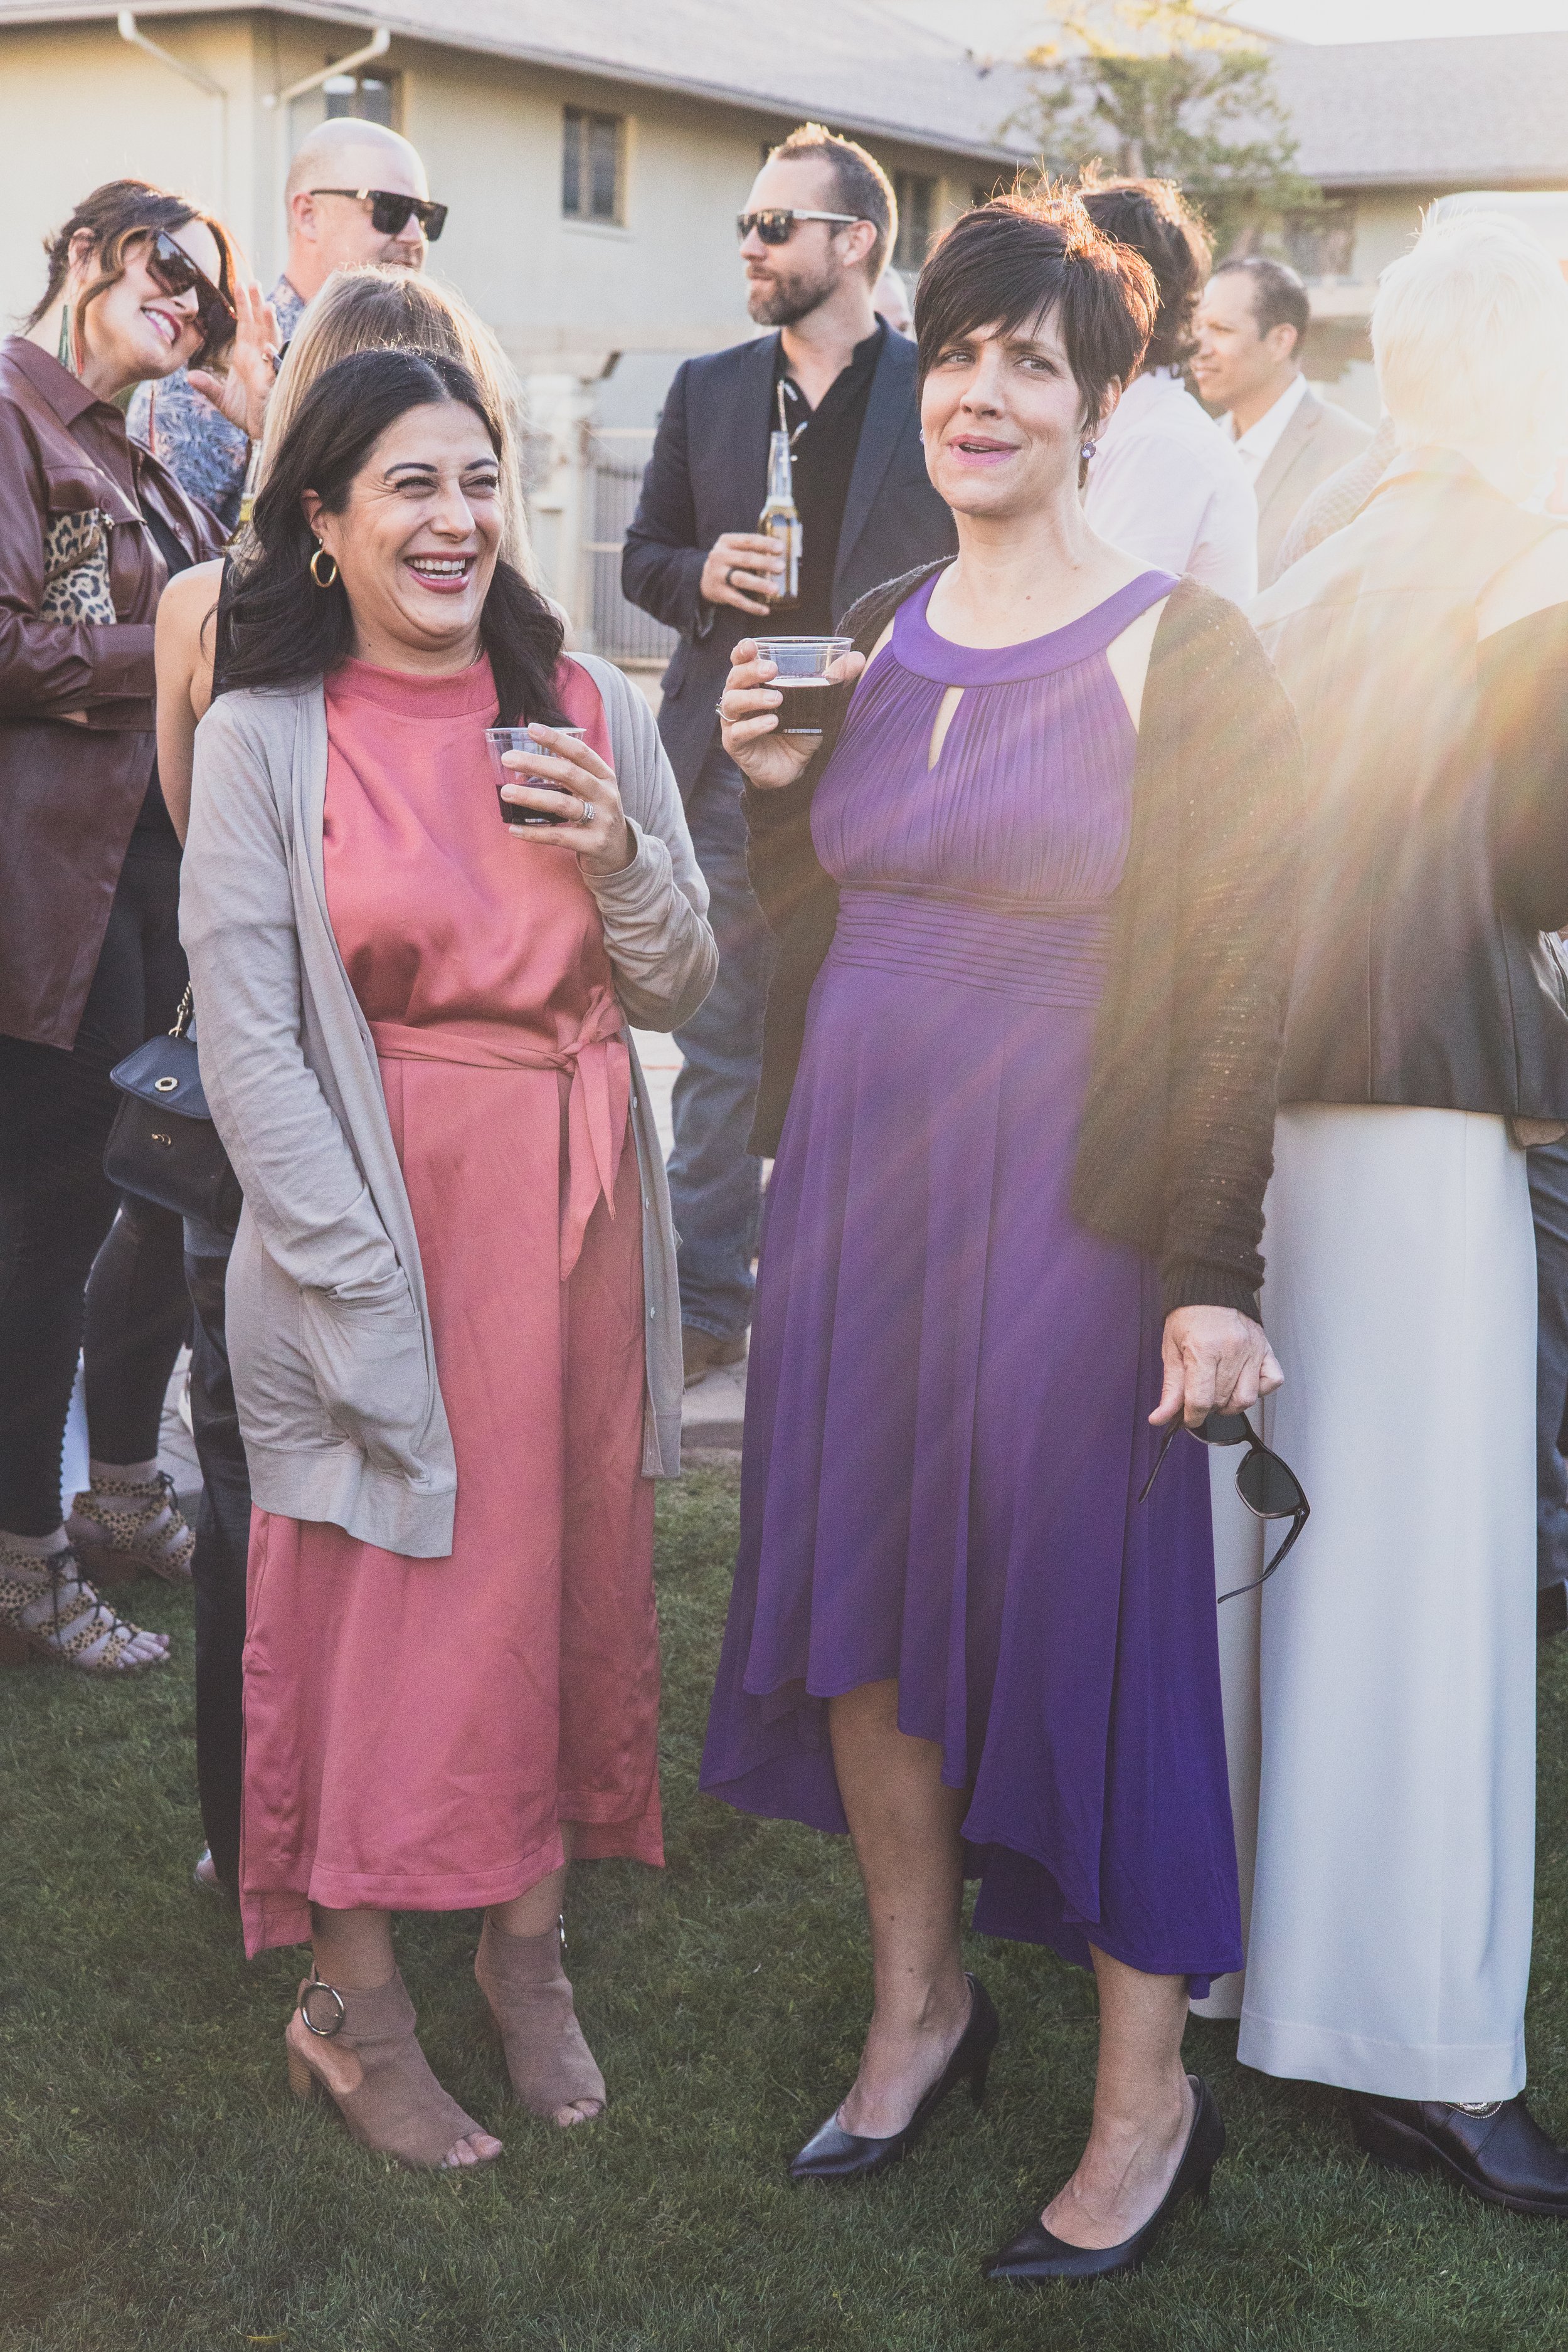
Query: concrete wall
{"points": [[79, 106]]}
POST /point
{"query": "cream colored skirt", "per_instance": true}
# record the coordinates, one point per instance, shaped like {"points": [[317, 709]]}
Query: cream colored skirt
{"points": [[1379, 1691]]}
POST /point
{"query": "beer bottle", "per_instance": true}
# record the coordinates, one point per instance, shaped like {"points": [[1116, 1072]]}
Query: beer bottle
{"points": [[780, 519]]}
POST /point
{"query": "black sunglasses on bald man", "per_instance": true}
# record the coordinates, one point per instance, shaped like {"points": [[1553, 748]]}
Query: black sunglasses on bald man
{"points": [[390, 214]]}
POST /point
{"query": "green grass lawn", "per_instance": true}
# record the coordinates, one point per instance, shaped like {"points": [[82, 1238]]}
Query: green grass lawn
{"points": [[158, 2188]]}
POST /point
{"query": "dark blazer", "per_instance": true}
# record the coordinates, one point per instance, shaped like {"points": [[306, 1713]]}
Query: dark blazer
{"points": [[1176, 1144], [707, 475], [1422, 976]]}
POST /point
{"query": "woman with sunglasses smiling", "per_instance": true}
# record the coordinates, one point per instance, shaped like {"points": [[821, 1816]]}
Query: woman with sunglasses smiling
{"points": [[347, 181], [91, 526], [1032, 898]]}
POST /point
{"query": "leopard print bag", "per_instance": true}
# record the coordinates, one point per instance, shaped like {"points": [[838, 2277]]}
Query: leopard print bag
{"points": [[76, 568]]}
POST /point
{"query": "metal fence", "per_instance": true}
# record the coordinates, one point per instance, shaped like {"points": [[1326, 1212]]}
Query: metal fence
{"points": [[616, 455]]}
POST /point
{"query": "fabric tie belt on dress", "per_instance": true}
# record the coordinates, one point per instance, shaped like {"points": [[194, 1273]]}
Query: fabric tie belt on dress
{"points": [[1042, 952], [598, 1101]]}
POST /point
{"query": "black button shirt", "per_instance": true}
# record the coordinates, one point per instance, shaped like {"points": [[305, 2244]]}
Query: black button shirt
{"points": [[830, 437]]}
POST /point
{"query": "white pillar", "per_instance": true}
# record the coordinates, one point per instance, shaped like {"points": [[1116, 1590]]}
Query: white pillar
{"points": [[560, 410]]}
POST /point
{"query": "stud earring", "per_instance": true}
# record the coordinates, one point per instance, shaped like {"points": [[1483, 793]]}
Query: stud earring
{"points": [[315, 575], [1087, 450]]}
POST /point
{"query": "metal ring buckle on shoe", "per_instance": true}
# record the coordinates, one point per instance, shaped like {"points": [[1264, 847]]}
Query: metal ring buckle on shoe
{"points": [[323, 2033]]}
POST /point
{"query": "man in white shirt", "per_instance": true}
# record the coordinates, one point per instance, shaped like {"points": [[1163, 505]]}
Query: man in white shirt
{"points": [[1165, 482], [1252, 324]]}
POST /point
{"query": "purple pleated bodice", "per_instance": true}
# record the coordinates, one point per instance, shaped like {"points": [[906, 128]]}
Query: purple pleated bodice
{"points": [[951, 1378]]}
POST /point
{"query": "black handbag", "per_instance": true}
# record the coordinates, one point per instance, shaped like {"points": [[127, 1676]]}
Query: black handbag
{"points": [[163, 1145]]}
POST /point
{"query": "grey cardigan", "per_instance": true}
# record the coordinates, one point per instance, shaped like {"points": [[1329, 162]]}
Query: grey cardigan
{"points": [[329, 1329]]}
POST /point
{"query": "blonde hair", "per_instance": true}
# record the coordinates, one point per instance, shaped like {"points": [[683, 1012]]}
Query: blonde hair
{"points": [[1470, 331], [377, 310]]}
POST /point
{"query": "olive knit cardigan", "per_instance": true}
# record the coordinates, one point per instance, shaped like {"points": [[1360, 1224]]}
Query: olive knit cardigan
{"points": [[1176, 1144]]}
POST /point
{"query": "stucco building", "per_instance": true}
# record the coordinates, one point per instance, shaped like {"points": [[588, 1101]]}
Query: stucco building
{"points": [[594, 153], [594, 157]]}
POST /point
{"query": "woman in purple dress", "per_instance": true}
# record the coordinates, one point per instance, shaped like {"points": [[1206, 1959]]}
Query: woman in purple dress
{"points": [[1034, 897]]}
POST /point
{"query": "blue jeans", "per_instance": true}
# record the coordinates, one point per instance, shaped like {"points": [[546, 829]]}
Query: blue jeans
{"points": [[1548, 1166], [715, 1183]]}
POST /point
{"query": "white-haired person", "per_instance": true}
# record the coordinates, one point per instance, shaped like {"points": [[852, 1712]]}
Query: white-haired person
{"points": [[1392, 1664]]}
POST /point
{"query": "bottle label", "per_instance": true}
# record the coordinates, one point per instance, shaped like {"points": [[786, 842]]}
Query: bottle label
{"points": [[785, 532]]}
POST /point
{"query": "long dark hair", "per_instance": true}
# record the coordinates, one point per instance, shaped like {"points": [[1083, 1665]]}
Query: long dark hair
{"points": [[283, 629], [114, 215]]}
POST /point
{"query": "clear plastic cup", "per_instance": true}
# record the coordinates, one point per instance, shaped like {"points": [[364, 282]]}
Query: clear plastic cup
{"points": [[518, 739], [802, 663]]}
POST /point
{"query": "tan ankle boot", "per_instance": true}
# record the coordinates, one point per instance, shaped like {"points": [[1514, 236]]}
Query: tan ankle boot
{"points": [[360, 2048], [521, 1978]]}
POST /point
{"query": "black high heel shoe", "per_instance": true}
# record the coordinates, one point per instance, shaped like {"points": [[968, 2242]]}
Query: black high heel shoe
{"points": [[1034, 2256], [833, 2153]]}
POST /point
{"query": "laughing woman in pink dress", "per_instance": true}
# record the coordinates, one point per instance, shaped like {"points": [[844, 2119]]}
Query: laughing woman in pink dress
{"points": [[452, 1304]]}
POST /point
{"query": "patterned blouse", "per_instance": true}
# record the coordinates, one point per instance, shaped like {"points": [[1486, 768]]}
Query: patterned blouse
{"points": [[206, 453]]}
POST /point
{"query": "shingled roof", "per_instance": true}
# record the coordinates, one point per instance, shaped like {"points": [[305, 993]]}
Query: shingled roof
{"points": [[1489, 110], [854, 64]]}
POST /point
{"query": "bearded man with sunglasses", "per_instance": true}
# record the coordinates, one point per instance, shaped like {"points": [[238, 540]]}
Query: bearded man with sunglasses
{"points": [[356, 196], [819, 227]]}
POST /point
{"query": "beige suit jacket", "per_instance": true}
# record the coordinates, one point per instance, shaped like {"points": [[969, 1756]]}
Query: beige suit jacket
{"points": [[1319, 440]]}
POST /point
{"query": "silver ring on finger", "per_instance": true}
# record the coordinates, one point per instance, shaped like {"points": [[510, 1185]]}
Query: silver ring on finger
{"points": [[587, 815]]}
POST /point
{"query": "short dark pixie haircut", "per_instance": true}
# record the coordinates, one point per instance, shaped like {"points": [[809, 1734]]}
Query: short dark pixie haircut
{"points": [[860, 185], [1280, 298], [1153, 218], [1022, 258]]}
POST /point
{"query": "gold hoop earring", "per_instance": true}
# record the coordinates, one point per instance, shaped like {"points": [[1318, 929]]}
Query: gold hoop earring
{"points": [[316, 577]]}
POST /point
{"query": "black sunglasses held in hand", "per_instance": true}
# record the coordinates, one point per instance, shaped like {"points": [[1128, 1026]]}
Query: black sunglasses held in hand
{"points": [[390, 214], [1268, 1485], [777, 227], [177, 273]]}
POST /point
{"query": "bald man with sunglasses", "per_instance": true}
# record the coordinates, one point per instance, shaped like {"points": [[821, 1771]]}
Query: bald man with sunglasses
{"points": [[356, 195], [816, 234]]}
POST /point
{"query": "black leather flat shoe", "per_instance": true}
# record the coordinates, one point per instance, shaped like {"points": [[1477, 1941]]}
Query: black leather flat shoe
{"points": [[1034, 2256], [1498, 2153], [833, 2153]]}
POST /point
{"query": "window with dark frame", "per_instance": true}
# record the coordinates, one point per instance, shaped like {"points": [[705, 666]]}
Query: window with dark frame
{"points": [[917, 218], [364, 98], [1321, 243], [592, 166]]}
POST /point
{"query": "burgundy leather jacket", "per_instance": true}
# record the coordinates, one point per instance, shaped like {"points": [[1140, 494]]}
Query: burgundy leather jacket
{"points": [[80, 576]]}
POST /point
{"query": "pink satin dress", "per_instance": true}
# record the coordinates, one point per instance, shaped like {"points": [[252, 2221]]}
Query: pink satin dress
{"points": [[419, 1732]]}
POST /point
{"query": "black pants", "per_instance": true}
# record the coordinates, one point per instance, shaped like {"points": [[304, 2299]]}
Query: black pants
{"points": [[75, 1275], [222, 1537]]}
